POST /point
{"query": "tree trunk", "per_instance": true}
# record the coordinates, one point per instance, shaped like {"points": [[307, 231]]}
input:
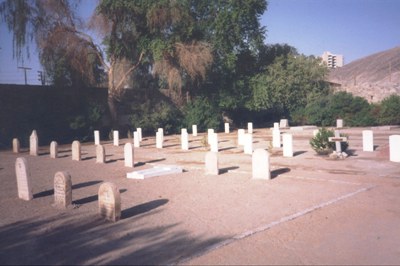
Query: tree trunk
{"points": [[113, 111]]}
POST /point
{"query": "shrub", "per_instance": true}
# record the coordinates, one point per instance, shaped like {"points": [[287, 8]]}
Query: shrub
{"points": [[320, 143], [203, 113], [389, 112]]}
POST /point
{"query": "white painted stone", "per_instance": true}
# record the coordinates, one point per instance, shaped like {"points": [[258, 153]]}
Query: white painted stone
{"points": [[62, 190], [214, 142], [16, 145], [209, 132], [128, 155], [184, 130], [136, 141], [248, 143], [241, 133], [159, 140], [100, 154], [287, 140], [155, 171], [23, 179], [34, 144], [96, 137], [226, 125], [139, 131], [109, 202], [116, 137], [276, 138], [184, 140], [276, 125], [394, 148], [194, 130], [284, 123], [250, 128], [211, 163], [339, 123], [260, 165], [76, 150], [368, 140], [337, 139], [53, 149]]}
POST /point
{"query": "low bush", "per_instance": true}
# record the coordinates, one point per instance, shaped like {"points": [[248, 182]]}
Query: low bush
{"points": [[321, 145]]}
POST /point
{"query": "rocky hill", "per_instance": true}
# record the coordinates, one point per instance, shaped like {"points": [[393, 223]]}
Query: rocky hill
{"points": [[373, 77]]}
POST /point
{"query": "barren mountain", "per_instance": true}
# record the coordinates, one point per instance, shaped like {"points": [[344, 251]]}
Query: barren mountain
{"points": [[373, 77]]}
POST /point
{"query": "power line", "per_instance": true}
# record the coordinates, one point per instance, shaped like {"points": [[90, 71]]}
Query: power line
{"points": [[25, 69]]}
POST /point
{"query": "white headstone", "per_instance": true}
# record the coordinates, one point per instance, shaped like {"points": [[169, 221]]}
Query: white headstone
{"points": [[276, 125], [139, 131], [184, 140], [248, 143], [136, 141], [276, 137], [109, 202], [53, 149], [339, 123], [62, 189], [368, 140], [158, 170], [287, 140], [226, 125], [34, 144], [210, 131], [16, 145], [241, 133], [116, 137], [394, 148], [76, 150], [194, 130], [284, 123], [23, 179], [100, 154], [250, 128], [128, 155], [96, 137], [260, 164], [213, 142], [159, 140], [211, 163]]}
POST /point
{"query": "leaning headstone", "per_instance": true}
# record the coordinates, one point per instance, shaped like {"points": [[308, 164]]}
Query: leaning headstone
{"points": [[184, 140], [116, 137], [287, 140], [226, 125], [139, 131], [128, 155], [260, 164], [159, 140], [394, 148], [76, 150], [62, 189], [34, 144], [339, 123], [53, 149], [96, 137], [100, 154], [136, 141], [241, 133], [250, 128], [16, 145], [214, 142], [248, 144], [276, 137], [194, 130], [211, 163], [23, 179], [109, 202], [368, 140], [284, 123]]}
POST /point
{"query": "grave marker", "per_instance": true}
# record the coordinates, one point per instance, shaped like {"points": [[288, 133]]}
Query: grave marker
{"points": [[241, 133], [250, 128], [158, 170], [284, 123], [248, 143], [23, 179], [213, 142], [209, 132], [136, 141], [368, 140], [16, 145], [76, 150], [100, 154], [287, 140], [276, 137], [53, 149], [339, 123], [109, 202], [211, 162], [116, 137], [62, 189], [260, 165], [394, 148], [226, 125], [337, 139], [139, 131], [159, 139], [96, 137], [34, 144], [194, 130], [184, 140], [128, 155]]}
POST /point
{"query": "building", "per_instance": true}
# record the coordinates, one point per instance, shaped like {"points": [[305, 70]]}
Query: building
{"points": [[333, 60]]}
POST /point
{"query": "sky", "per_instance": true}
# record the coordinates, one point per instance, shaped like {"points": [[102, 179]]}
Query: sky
{"points": [[352, 28]]}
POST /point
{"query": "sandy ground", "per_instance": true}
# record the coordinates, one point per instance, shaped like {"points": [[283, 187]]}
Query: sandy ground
{"points": [[315, 210]]}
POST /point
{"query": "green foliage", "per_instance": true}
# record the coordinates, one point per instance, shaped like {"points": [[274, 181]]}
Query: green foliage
{"points": [[320, 143], [203, 113], [389, 111]]}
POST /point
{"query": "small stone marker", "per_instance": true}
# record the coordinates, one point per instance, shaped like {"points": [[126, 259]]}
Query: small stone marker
{"points": [[23, 179], [34, 144], [394, 148], [53, 149], [76, 150], [62, 189], [139, 131], [213, 142], [128, 155], [116, 137], [16, 145], [287, 140], [368, 140], [284, 123], [276, 137], [337, 139], [96, 137], [159, 140], [210, 131], [226, 125], [248, 143], [155, 171], [250, 128], [276, 125], [194, 130], [109, 202], [339, 123], [260, 164], [100, 154], [241, 133], [211, 162], [184, 140], [136, 141]]}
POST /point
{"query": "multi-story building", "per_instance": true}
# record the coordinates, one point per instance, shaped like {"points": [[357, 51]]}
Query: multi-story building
{"points": [[333, 60]]}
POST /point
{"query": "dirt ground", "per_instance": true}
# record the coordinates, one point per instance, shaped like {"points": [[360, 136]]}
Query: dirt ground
{"points": [[314, 210]]}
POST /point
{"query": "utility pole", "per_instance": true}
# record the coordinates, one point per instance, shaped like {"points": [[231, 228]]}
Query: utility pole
{"points": [[25, 69]]}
